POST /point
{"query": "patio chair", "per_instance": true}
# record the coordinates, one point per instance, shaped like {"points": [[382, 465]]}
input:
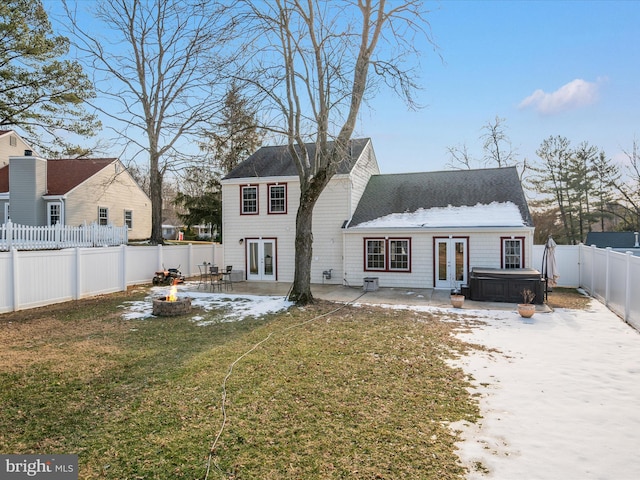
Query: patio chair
{"points": [[226, 278], [204, 274], [216, 279]]}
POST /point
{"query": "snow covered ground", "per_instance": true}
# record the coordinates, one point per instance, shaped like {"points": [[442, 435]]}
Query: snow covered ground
{"points": [[238, 306], [560, 392], [560, 400]]}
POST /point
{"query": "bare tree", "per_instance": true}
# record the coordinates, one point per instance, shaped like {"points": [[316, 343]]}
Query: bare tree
{"points": [[496, 144], [154, 68], [630, 190], [460, 158], [312, 64]]}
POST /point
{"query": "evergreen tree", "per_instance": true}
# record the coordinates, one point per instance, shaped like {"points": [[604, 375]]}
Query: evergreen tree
{"points": [[230, 141], [40, 93], [237, 135]]}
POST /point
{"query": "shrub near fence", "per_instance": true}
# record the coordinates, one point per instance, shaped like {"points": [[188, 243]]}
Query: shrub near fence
{"points": [[28, 237], [37, 278]]}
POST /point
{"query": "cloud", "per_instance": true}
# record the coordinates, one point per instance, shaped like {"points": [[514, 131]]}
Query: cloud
{"points": [[575, 94]]}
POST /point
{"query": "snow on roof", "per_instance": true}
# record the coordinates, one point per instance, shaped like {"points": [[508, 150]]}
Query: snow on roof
{"points": [[495, 214]]}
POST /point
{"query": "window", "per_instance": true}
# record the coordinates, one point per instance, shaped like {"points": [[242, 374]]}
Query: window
{"points": [[55, 213], [388, 254], [512, 252], [13, 141], [277, 198], [7, 215], [103, 216], [398, 254], [128, 219], [249, 195], [375, 254]]}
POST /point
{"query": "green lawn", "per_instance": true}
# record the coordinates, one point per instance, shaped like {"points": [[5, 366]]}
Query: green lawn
{"points": [[364, 393]]}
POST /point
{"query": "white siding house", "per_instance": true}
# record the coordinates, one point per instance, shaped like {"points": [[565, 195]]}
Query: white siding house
{"points": [[11, 144], [417, 230], [35, 191], [260, 200]]}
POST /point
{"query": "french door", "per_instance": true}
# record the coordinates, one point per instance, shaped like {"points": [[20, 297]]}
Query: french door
{"points": [[451, 260], [261, 257]]}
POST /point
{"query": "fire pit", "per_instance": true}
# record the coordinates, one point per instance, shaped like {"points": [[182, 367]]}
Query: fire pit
{"points": [[162, 307]]}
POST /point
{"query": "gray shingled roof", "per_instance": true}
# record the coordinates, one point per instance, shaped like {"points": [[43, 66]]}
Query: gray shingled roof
{"points": [[275, 161], [408, 192], [611, 239]]}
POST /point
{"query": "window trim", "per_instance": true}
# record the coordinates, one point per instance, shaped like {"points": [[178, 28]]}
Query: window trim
{"points": [[106, 210], [257, 189], [270, 211], [60, 213], [503, 253], [386, 242], [130, 224]]}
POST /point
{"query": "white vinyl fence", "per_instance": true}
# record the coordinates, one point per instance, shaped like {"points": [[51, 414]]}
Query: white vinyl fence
{"points": [[27, 237], [614, 279], [36, 278]]}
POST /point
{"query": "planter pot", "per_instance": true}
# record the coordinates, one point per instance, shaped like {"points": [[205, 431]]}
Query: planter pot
{"points": [[457, 301], [526, 310]]}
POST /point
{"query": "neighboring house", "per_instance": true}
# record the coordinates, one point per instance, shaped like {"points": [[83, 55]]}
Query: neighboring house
{"points": [[619, 241], [35, 191], [11, 144], [416, 230]]}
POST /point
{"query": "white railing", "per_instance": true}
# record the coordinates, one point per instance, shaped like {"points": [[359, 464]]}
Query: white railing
{"points": [[27, 237], [42, 277]]}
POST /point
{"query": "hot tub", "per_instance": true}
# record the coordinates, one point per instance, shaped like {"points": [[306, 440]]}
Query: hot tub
{"points": [[505, 284]]}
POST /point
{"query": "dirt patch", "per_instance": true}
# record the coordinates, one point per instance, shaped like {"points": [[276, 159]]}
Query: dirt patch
{"points": [[568, 298]]}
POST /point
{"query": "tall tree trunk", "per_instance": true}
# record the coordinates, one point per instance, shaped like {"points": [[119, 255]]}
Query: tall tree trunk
{"points": [[309, 193], [301, 290], [155, 191]]}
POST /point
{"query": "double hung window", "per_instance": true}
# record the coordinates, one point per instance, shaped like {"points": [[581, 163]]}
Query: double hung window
{"points": [[103, 216], [249, 198], [278, 198], [512, 252]]}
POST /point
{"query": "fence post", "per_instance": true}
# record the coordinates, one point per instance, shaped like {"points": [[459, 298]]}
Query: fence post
{"points": [[190, 260], [9, 233], [15, 276], [78, 275], [123, 266], [627, 293], [592, 287], [160, 258], [607, 276]]}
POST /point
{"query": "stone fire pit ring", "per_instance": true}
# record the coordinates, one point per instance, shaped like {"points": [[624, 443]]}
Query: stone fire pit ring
{"points": [[164, 308]]}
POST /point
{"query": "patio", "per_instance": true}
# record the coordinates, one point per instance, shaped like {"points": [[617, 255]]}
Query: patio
{"points": [[384, 295]]}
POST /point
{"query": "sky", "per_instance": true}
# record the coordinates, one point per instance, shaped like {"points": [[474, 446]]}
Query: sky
{"points": [[557, 392], [548, 68]]}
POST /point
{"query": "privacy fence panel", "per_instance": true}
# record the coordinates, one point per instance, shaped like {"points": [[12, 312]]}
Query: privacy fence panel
{"points": [[612, 277], [6, 281], [101, 271], [567, 259], [36, 278], [41, 278], [141, 264]]}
